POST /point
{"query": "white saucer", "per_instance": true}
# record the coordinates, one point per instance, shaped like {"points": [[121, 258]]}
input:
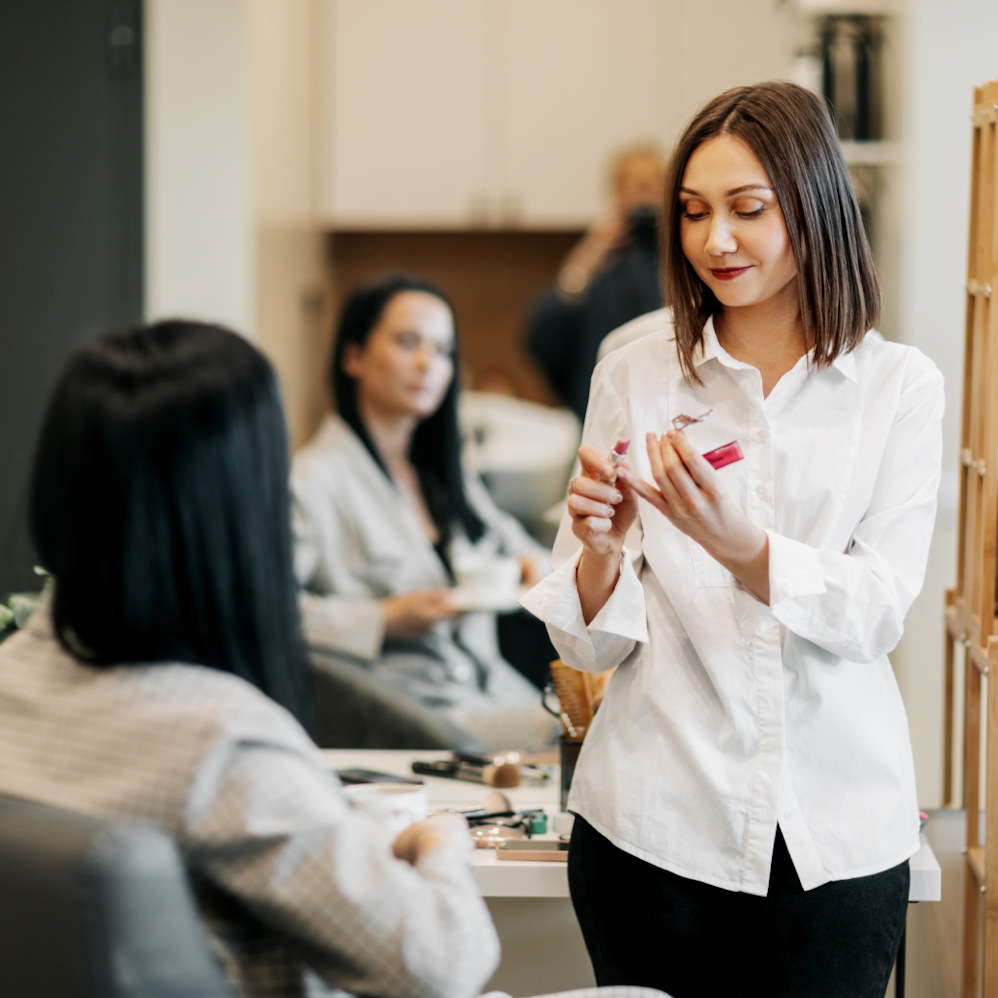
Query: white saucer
{"points": [[473, 599]]}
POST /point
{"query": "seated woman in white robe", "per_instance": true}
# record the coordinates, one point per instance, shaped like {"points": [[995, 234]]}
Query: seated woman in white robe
{"points": [[384, 510]]}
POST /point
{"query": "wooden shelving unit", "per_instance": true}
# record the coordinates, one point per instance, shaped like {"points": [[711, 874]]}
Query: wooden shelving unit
{"points": [[970, 607]]}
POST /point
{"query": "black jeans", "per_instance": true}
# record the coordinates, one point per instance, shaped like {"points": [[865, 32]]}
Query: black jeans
{"points": [[646, 926]]}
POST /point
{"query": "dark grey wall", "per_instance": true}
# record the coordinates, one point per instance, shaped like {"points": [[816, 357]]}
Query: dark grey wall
{"points": [[70, 215]]}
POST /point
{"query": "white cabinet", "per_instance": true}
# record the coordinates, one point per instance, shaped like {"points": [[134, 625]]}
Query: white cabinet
{"points": [[402, 112], [456, 113], [583, 80]]}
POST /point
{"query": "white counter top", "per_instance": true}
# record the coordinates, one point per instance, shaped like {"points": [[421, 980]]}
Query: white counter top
{"points": [[517, 878]]}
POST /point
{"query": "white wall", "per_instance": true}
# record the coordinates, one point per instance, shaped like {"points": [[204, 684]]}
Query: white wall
{"points": [[199, 229], [950, 46], [288, 292], [280, 52]]}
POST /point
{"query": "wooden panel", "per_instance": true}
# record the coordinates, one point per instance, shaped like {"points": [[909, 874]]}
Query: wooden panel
{"points": [[970, 611], [492, 278]]}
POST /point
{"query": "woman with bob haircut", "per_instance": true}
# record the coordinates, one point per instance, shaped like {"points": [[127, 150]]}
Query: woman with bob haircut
{"points": [[745, 799], [164, 678], [385, 512]]}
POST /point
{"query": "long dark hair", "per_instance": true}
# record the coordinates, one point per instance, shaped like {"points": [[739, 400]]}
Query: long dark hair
{"points": [[436, 443], [790, 131], [159, 502]]}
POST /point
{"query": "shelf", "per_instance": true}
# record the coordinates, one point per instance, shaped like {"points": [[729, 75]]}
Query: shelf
{"points": [[870, 153], [868, 7]]}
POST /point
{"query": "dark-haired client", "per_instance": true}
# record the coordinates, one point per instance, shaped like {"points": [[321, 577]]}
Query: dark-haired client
{"points": [[384, 511], [746, 797], [165, 679]]}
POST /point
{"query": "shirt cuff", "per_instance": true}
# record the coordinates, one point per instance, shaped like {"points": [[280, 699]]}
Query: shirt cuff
{"points": [[794, 570], [444, 862], [555, 600]]}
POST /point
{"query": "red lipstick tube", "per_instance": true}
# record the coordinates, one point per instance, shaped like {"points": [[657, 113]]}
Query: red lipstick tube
{"points": [[724, 455]]}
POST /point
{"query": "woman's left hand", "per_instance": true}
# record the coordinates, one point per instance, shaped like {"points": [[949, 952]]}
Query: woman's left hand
{"points": [[690, 497]]}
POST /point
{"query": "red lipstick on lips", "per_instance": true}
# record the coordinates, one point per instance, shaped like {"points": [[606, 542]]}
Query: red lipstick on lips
{"points": [[729, 273]]}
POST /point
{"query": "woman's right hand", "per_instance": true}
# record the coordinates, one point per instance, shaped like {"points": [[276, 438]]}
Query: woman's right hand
{"points": [[415, 614], [601, 516], [439, 831], [601, 513]]}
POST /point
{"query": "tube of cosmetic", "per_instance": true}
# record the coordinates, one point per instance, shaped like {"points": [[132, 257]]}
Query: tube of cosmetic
{"points": [[617, 456], [720, 456], [724, 455]]}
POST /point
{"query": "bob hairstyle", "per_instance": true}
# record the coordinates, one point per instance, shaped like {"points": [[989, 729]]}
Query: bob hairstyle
{"points": [[159, 502], [789, 130], [436, 443]]}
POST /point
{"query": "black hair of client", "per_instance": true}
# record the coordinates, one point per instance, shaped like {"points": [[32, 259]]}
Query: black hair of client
{"points": [[789, 130], [436, 442], [159, 501]]}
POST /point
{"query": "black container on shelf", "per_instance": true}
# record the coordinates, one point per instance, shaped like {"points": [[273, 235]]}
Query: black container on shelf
{"points": [[852, 75], [569, 757]]}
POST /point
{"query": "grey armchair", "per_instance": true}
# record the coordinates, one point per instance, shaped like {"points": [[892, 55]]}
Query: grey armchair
{"points": [[92, 908], [354, 710]]}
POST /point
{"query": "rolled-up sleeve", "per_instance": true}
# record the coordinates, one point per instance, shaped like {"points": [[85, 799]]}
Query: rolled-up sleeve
{"points": [[352, 624], [611, 635], [853, 603]]}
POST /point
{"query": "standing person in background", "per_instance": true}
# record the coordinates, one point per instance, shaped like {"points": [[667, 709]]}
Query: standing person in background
{"points": [[384, 510], [746, 796], [609, 277], [166, 680]]}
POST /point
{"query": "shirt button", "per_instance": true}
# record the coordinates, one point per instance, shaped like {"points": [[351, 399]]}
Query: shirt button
{"points": [[761, 491], [762, 436], [462, 672]]}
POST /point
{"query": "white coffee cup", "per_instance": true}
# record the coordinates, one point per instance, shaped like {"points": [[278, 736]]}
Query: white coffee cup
{"points": [[491, 578], [396, 805]]}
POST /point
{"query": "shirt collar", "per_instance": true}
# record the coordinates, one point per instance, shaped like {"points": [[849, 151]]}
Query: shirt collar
{"points": [[711, 349]]}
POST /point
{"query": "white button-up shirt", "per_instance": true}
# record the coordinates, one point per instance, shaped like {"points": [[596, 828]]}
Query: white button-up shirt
{"points": [[728, 716]]}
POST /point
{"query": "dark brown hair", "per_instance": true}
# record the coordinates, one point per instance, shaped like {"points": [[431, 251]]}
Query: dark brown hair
{"points": [[436, 442], [789, 129], [160, 504]]}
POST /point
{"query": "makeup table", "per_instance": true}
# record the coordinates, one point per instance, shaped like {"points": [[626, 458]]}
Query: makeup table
{"points": [[542, 945]]}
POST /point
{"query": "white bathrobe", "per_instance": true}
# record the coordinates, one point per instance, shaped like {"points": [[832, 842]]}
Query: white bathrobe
{"points": [[358, 541]]}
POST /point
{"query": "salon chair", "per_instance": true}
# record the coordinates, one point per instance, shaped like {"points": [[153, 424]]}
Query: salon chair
{"points": [[96, 908], [354, 710]]}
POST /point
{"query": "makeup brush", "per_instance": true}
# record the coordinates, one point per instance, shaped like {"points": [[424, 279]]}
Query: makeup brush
{"points": [[500, 772], [575, 697]]}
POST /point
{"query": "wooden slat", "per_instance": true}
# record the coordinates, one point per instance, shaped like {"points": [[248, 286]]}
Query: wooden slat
{"points": [[976, 863], [948, 700], [954, 618], [991, 824], [988, 482], [978, 658], [966, 433]]}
